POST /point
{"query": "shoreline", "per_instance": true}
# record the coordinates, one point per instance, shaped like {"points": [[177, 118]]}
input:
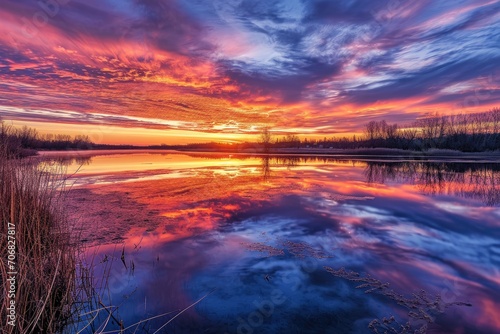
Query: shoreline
{"points": [[294, 152]]}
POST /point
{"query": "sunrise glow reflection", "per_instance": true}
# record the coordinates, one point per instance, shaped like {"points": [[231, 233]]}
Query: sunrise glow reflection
{"points": [[201, 222]]}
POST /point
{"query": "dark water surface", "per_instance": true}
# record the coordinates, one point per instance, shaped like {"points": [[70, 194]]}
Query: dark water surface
{"points": [[263, 239]]}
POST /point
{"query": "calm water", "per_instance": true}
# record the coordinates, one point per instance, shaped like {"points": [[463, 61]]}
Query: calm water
{"points": [[262, 239]]}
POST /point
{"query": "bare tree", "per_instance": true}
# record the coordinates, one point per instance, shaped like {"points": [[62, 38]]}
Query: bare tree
{"points": [[28, 136], [408, 137], [391, 131], [495, 115], [370, 130], [265, 139], [432, 129]]}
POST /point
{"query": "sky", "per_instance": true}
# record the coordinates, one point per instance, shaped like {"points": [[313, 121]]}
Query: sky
{"points": [[166, 71]]}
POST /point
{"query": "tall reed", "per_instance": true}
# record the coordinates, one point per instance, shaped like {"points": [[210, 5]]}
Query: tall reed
{"points": [[45, 259], [55, 290]]}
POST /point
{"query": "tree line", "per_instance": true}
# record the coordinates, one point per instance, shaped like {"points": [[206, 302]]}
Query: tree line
{"points": [[463, 132], [25, 141]]}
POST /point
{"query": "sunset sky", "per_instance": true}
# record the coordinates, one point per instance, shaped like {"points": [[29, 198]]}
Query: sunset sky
{"points": [[166, 71]]}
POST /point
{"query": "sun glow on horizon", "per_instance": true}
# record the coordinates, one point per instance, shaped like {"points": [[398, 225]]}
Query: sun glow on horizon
{"points": [[194, 72]]}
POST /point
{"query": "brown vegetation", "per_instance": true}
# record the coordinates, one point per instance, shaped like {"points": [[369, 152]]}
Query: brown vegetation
{"points": [[53, 288], [44, 256]]}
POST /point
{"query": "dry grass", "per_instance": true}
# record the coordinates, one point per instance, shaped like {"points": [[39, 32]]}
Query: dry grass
{"points": [[56, 288], [44, 257]]}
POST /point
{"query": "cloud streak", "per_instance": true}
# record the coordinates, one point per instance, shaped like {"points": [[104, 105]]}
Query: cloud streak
{"points": [[319, 65]]}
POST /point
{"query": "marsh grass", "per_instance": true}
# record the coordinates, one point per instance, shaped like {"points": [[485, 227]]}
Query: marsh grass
{"points": [[30, 199], [56, 288]]}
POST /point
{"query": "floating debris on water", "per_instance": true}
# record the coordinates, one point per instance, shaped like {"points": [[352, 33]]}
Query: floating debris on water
{"points": [[422, 308], [260, 247], [297, 249], [339, 197], [301, 250]]}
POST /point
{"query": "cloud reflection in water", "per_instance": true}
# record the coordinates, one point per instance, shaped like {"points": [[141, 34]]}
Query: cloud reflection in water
{"points": [[378, 218]]}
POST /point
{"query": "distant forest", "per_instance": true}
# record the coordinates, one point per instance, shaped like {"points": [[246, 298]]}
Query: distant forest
{"points": [[26, 141], [464, 132]]}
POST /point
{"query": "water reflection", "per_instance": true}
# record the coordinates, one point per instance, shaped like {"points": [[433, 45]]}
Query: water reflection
{"points": [[266, 168], [258, 230], [68, 160], [468, 180], [479, 181]]}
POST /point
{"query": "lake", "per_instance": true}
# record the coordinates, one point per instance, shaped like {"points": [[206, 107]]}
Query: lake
{"points": [[262, 244]]}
